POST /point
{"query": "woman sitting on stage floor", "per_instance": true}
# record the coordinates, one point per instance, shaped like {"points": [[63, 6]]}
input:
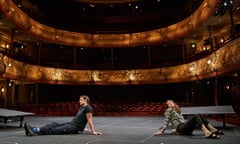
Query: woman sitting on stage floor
{"points": [[181, 126]]}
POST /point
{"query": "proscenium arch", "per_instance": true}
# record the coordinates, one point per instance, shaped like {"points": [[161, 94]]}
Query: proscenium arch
{"points": [[156, 36]]}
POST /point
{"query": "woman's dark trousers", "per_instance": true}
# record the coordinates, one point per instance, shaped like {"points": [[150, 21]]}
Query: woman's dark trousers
{"points": [[191, 124]]}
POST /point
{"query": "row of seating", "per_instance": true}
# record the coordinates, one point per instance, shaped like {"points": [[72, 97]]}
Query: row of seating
{"points": [[100, 108], [109, 109]]}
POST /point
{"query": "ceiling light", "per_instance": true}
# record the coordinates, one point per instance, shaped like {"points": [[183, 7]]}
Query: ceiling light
{"points": [[222, 40], [193, 45], [92, 5], [225, 3], [191, 68], [7, 46], [209, 62]]}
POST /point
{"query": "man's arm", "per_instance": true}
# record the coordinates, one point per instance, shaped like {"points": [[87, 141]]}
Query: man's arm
{"points": [[90, 123]]}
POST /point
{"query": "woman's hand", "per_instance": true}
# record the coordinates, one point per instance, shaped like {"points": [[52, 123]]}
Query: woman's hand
{"points": [[160, 132], [174, 130]]}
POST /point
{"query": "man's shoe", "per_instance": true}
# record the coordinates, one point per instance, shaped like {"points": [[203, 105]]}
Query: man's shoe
{"points": [[28, 130]]}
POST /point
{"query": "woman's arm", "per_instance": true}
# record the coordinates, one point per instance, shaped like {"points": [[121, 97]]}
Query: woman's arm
{"points": [[166, 122], [90, 123]]}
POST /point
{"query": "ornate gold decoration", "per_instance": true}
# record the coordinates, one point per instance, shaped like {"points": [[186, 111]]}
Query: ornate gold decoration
{"points": [[225, 59]]}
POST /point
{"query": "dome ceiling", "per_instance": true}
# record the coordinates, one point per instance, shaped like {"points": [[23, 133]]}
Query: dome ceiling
{"points": [[111, 16]]}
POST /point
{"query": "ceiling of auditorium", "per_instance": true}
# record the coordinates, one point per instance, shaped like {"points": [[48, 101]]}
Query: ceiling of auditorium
{"points": [[98, 16], [113, 16]]}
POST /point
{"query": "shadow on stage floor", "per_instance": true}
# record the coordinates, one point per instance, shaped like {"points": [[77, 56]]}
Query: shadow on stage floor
{"points": [[117, 130]]}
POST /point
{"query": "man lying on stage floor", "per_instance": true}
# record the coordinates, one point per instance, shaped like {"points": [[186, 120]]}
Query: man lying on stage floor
{"points": [[76, 125]]}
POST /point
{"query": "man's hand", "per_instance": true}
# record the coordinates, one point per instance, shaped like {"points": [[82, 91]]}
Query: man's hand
{"points": [[96, 133], [86, 129]]}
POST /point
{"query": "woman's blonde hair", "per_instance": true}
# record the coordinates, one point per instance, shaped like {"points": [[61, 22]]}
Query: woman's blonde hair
{"points": [[176, 106]]}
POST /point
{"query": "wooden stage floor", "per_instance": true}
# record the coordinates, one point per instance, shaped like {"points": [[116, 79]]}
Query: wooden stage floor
{"points": [[117, 130]]}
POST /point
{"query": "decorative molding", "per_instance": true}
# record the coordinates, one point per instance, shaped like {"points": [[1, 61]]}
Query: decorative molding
{"points": [[224, 60]]}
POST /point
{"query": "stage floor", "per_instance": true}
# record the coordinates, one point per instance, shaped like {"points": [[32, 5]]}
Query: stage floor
{"points": [[117, 130]]}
